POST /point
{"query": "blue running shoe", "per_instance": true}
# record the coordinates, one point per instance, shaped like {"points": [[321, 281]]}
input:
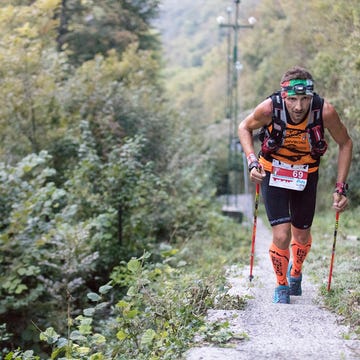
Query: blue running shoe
{"points": [[294, 282], [282, 295]]}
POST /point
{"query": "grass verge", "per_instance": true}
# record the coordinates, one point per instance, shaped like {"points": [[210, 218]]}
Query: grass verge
{"points": [[344, 295]]}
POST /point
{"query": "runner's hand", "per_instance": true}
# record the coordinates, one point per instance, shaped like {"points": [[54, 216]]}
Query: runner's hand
{"points": [[257, 175], [340, 202]]}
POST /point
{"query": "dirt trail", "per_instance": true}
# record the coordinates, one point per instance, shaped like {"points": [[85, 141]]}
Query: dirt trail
{"points": [[301, 330]]}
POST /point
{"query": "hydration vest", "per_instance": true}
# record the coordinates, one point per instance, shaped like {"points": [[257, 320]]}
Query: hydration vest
{"points": [[272, 139]]}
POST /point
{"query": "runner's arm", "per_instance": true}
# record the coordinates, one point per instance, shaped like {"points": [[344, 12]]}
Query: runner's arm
{"points": [[260, 117], [341, 136]]}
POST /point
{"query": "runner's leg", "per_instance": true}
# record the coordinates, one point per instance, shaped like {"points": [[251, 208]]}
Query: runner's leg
{"points": [[302, 205], [299, 250], [276, 202], [280, 261]]}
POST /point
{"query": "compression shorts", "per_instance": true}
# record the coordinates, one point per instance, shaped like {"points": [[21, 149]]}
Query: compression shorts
{"points": [[290, 206]]}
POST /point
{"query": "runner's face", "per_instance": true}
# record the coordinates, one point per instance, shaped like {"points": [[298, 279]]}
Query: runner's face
{"points": [[298, 107]]}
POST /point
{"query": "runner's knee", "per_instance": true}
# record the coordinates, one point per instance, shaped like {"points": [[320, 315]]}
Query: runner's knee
{"points": [[301, 236], [282, 236]]}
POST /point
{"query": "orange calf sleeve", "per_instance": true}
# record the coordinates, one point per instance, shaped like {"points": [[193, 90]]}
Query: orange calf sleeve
{"points": [[280, 261], [299, 253]]}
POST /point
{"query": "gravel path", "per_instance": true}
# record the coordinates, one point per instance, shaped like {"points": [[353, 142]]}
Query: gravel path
{"points": [[300, 330]]}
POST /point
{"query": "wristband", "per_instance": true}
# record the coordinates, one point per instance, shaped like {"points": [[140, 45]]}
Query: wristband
{"points": [[251, 158], [341, 188]]}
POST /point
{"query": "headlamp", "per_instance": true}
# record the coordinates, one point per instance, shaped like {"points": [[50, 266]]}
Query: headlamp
{"points": [[300, 89], [297, 87]]}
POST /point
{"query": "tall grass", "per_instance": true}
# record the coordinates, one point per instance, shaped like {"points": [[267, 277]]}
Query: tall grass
{"points": [[344, 295]]}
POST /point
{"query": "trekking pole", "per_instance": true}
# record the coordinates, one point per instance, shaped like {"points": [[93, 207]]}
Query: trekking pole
{"points": [[257, 192], [333, 249]]}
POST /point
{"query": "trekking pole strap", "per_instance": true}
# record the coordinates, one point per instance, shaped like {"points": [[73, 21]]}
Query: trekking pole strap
{"points": [[341, 188]]}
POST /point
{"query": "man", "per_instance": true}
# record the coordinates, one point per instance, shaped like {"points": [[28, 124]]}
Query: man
{"points": [[292, 123]]}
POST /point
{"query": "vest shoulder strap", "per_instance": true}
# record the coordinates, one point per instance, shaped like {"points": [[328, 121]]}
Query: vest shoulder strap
{"points": [[315, 115], [278, 113]]}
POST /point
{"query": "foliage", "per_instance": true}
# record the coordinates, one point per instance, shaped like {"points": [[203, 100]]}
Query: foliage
{"points": [[30, 69], [118, 92], [164, 300], [120, 99], [90, 27], [70, 214], [58, 242], [54, 240]]}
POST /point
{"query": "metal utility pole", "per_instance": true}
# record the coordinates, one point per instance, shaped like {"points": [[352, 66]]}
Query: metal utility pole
{"points": [[232, 106]]}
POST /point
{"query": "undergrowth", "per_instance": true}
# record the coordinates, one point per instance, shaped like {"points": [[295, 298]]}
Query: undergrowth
{"points": [[155, 304], [344, 295]]}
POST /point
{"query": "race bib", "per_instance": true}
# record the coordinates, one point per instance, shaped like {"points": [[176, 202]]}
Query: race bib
{"points": [[288, 176]]}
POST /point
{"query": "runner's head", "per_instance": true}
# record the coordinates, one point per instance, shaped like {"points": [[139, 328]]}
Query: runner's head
{"points": [[296, 81]]}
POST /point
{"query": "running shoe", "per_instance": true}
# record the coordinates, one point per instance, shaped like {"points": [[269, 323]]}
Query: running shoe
{"points": [[294, 282], [282, 295]]}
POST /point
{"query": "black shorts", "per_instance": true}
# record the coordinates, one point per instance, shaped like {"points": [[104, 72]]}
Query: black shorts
{"points": [[290, 206]]}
